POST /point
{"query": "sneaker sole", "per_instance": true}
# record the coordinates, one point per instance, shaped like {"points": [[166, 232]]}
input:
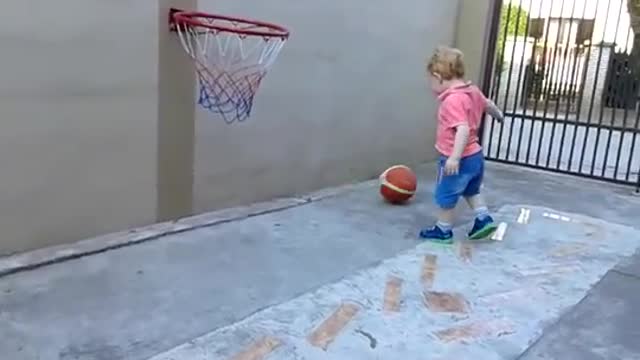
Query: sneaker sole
{"points": [[484, 233], [439, 242]]}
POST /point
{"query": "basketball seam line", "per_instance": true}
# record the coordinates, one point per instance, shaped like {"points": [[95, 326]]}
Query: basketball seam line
{"points": [[395, 188]]}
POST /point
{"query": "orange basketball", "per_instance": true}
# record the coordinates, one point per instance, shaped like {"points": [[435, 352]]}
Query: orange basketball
{"points": [[398, 184]]}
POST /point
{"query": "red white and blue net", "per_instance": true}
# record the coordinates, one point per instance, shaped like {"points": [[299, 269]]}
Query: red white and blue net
{"points": [[231, 56]]}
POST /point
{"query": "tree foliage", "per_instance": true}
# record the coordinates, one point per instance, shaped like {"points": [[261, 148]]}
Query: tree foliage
{"points": [[513, 22], [514, 18]]}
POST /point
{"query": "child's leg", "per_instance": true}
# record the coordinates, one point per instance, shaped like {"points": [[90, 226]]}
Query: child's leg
{"points": [[445, 220], [446, 215], [477, 204], [442, 231], [448, 191], [483, 225]]}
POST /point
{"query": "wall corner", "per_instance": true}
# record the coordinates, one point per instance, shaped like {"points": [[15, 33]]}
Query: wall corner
{"points": [[475, 24]]}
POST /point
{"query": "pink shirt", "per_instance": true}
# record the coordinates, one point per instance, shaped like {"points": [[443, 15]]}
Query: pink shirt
{"points": [[460, 105]]}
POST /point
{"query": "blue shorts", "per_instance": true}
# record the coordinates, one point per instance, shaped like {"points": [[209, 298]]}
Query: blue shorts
{"points": [[466, 183]]}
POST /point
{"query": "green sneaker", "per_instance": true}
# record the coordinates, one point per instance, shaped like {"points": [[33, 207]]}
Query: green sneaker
{"points": [[482, 229], [437, 236]]}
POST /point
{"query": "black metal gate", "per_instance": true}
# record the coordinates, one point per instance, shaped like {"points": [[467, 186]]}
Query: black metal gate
{"points": [[561, 71]]}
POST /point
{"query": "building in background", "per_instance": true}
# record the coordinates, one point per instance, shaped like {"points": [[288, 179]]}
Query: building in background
{"points": [[571, 54]]}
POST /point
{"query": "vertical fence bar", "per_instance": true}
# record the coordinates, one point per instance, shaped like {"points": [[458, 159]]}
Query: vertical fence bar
{"points": [[489, 65], [524, 86], [630, 92], [593, 93], [572, 98], [554, 55], [611, 96], [609, 77], [636, 126], [585, 71], [535, 103], [599, 128], [627, 78], [506, 95], [638, 181], [496, 93], [559, 88], [531, 73]]}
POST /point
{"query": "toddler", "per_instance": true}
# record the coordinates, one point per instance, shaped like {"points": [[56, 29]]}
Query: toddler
{"points": [[461, 162]]}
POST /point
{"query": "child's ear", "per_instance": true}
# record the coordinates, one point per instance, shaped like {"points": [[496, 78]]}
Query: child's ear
{"points": [[437, 76]]}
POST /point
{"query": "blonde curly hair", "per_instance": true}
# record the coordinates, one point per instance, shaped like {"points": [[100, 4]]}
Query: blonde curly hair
{"points": [[447, 63]]}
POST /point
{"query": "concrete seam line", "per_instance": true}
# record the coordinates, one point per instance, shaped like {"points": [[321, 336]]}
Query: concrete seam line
{"points": [[57, 254], [70, 255], [624, 273]]}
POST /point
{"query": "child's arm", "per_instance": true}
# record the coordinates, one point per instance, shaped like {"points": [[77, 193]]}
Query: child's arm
{"points": [[452, 165], [493, 110], [460, 142]]}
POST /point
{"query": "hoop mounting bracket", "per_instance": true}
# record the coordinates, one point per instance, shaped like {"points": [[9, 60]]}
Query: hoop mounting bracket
{"points": [[172, 21]]}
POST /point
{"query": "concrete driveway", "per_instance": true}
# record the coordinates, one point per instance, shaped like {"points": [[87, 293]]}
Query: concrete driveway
{"points": [[309, 279]]}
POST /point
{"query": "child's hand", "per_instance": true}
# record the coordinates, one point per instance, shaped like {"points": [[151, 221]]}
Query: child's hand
{"points": [[451, 166], [493, 110]]}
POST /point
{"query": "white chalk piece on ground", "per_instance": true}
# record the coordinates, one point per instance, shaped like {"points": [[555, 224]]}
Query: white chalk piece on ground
{"points": [[557, 217], [524, 216], [500, 232]]}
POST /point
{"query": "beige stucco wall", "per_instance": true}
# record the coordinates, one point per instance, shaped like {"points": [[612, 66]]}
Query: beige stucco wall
{"points": [[472, 30], [98, 130], [78, 113], [346, 99]]}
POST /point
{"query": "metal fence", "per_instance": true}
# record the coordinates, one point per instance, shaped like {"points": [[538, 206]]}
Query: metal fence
{"points": [[561, 70]]}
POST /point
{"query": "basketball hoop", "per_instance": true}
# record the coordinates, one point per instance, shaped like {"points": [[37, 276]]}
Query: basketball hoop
{"points": [[231, 55]]}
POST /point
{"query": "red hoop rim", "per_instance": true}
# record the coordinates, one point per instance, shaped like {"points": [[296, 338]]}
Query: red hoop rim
{"points": [[192, 18]]}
